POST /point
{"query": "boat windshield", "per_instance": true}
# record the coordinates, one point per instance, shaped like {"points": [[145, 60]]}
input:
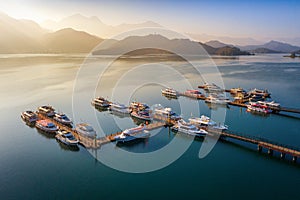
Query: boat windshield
{"points": [[51, 125]]}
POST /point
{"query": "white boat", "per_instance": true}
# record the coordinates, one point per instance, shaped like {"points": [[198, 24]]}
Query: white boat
{"points": [[46, 110], [256, 107], [194, 94], [190, 129], [142, 114], [29, 116], [66, 138], [271, 104], [85, 130], [217, 99], [62, 118], [100, 101], [263, 93], [121, 108], [132, 134], [212, 87], [138, 106], [205, 121], [46, 126], [169, 92], [237, 90], [166, 112]]}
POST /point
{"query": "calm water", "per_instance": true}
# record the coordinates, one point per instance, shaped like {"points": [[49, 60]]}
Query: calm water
{"points": [[34, 166]]}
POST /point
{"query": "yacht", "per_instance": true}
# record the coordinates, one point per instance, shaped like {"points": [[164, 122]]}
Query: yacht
{"points": [[256, 97], [46, 126], [138, 106], [205, 121], [46, 110], [66, 138], [212, 87], [190, 129], [263, 93], [217, 99], [29, 116], [62, 118], [142, 114], [256, 107], [271, 104], [166, 112], [194, 94], [85, 130], [169, 92], [237, 90], [133, 134], [121, 108], [100, 101]]}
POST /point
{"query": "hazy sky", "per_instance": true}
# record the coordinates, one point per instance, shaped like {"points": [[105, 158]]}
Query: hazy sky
{"points": [[240, 18]]}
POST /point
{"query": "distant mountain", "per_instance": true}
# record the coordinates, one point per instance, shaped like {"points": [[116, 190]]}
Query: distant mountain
{"points": [[263, 50], [69, 41], [216, 44], [93, 25], [274, 46], [150, 42]]}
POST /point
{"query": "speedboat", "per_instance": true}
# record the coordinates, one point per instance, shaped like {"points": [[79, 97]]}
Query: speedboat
{"points": [[169, 92], [29, 116], [166, 112], [85, 130], [263, 93], [46, 126], [217, 99], [194, 94], [132, 134], [205, 121], [271, 104], [121, 108], [62, 118], [46, 110], [101, 102], [66, 138], [141, 114], [256, 107], [190, 129]]}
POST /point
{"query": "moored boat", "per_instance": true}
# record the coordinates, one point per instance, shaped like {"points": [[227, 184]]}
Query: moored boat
{"points": [[141, 114], [264, 93], [100, 102], [194, 94], [132, 134], [47, 110], [217, 99], [138, 106], [205, 121], [66, 138], [256, 107], [190, 129], [85, 130], [121, 108], [46, 126], [169, 92], [237, 90], [29, 116], [212, 87], [271, 104], [166, 112], [62, 118]]}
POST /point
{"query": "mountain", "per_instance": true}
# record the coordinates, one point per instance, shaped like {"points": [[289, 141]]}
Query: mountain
{"points": [[216, 44], [263, 50], [150, 42], [69, 41], [274, 46], [93, 25]]}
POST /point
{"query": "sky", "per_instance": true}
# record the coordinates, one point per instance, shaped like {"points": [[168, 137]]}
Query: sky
{"points": [[270, 18]]}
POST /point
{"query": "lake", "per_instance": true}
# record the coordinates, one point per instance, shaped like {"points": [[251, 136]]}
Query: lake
{"points": [[33, 165]]}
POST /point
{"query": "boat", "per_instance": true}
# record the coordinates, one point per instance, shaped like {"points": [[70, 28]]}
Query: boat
{"points": [[29, 116], [217, 99], [66, 138], [212, 87], [101, 102], [166, 112], [256, 97], [62, 118], [85, 130], [138, 106], [169, 92], [271, 104], [204, 121], [46, 110], [132, 134], [263, 93], [141, 114], [237, 90], [46, 126], [194, 94], [256, 107], [121, 108], [190, 129]]}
